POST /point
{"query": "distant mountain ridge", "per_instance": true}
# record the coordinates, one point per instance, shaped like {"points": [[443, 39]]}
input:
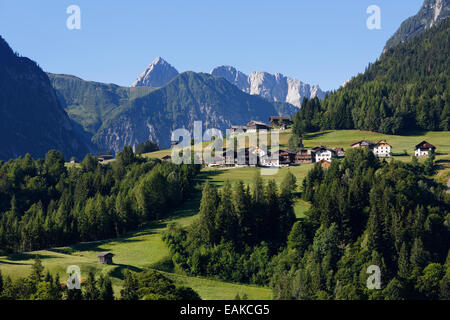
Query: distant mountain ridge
{"points": [[274, 87], [31, 118], [431, 13], [117, 116]]}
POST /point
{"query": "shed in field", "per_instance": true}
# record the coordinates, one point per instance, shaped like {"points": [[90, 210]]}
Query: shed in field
{"points": [[105, 257]]}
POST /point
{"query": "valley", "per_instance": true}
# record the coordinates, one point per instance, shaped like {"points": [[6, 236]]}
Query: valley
{"points": [[145, 250]]}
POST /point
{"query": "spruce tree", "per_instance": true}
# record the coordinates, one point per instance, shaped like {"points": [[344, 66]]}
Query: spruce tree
{"points": [[404, 268], [244, 213], [91, 291], [130, 287], [208, 210], [419, 256], [226, 220], [106, 289], [37, 270]]}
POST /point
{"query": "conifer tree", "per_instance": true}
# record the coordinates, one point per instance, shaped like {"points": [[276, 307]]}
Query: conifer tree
{"points": [[404, 268], [91, 291], [105, 288], [226, 219], [208, 210], [130, 287], [37, 270]]}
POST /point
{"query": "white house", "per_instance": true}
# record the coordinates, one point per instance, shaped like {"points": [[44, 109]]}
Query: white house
{"points": [[423, 149], [382, 149], [324, 153]]}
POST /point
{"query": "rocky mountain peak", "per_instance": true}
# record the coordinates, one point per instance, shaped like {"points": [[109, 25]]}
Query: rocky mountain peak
{"points": [[157, 74], [273, 87]]}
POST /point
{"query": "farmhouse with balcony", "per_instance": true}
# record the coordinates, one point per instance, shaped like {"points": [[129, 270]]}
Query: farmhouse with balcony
{"points": [[305, 156], [254, 126], [324, 153], [234, 130], [281, 122], [423, 149], [382, 149]]}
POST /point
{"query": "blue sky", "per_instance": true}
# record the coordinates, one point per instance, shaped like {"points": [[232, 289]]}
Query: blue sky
{"points": [[321, 42]]}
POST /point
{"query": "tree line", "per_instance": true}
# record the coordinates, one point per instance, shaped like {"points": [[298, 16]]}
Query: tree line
{"points": [[238, 230], [44, 203], [368, 212]]}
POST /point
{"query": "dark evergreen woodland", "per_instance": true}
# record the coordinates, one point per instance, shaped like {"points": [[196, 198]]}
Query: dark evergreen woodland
{"points": [[43, 203]]}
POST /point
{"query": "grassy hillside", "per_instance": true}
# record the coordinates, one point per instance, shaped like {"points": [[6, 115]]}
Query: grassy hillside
{"points": [[137, 251], [337, 138], [343, 139], [142, 250]]}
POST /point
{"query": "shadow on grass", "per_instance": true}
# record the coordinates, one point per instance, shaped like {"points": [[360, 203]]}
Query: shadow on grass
{"points": [[119, 272], [92, 246], [414, 133], [310, 136], [400, 154], [27, 256], [14, 263]]}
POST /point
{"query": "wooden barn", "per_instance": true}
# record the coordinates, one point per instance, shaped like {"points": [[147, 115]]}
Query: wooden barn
{"points": [[105, 257]]}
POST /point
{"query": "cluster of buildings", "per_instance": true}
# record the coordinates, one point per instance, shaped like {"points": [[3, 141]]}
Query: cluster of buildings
{"points": [[278, 122], [380, 149], [383, 149], [258, 157], [322, 154]]}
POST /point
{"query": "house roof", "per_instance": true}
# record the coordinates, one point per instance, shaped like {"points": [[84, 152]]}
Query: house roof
{"points": [[425, 145], [287, 151], [105, 254], [381, 143], [279, 118], [325, 163], [323, 148], [363, 142], [254, 122]]}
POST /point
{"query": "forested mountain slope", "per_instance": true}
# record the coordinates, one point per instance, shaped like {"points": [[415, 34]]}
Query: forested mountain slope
{"points": [[31, 118], [407, 88], [118, 116]]}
